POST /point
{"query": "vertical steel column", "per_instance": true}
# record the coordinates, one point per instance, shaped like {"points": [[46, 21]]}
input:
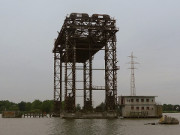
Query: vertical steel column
{"points": [[111, 73], [90, 81], [85, 83], [88, 85], [74, 74], [60, 82], [66, 71], [55, 76], [70, 72], [113, 44], [57, 83], [106, 76], [66, 67], [90, 71], [115, 73]]}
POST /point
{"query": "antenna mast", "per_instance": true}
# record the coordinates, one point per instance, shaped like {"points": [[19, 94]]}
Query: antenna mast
{"points": [[132, 83]]}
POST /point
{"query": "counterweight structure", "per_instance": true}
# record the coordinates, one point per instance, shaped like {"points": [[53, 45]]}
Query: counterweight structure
{"points": [[79, 39]]}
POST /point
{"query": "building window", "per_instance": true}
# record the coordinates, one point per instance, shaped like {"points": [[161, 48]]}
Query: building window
{"points": [[132, 100], [147, 108], [137, 100], [142, 100], [137, 108], [122, 101], [128, 100], [147, 100], [142, 108], [132, 107]]}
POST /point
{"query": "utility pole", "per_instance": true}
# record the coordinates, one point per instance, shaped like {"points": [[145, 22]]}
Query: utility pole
{"points": [[132, 83]]}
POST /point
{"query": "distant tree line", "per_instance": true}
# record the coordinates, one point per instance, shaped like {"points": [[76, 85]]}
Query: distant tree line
{"points": [[171, 108], [48, 105], [35, 106], [39, 106]]}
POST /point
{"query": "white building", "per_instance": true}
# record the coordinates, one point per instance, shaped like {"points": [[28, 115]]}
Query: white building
{"points": [[139, 106]]}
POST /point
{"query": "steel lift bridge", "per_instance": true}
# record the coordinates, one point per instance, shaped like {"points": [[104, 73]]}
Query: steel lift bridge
{"points": [[79, 39]]}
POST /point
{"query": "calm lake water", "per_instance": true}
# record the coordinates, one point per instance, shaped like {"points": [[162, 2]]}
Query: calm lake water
{"points": [[57, 126]]}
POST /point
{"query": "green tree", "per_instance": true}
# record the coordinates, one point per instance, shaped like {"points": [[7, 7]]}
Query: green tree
{"points": [[28, 106], [22, 106], [47, 106], [14, 107], [37, 105], [7, 105]]}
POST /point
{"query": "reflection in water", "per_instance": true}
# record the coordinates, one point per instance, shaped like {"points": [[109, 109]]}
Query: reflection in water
{"points": [[57, 126], [87, 127]]}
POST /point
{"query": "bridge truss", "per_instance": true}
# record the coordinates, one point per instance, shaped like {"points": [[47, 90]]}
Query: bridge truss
{"points": [[80, 38]]}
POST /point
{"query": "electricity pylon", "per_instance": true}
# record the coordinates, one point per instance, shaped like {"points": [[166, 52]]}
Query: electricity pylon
{"points": [[132, 83]]}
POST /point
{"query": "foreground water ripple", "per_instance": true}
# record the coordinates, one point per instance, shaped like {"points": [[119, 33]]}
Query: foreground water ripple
{"points": [[57, 126]]}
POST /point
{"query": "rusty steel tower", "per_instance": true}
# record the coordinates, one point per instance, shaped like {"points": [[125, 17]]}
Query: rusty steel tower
{"points": [[79, 39]]}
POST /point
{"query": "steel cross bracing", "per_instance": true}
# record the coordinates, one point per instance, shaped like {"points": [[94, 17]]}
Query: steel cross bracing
{"points": [[57, 82], [111, 73], [80, 38], [88, 84], [70, 73]]}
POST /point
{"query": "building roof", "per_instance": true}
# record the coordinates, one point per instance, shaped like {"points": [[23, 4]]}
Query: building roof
{"points": [[138, 96]]}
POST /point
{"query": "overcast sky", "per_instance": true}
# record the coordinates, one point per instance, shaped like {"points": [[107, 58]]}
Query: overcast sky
{"points": [[149, 28]]}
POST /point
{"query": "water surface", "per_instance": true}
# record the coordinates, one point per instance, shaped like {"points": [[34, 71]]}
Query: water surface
{"points": [[57, 126]]}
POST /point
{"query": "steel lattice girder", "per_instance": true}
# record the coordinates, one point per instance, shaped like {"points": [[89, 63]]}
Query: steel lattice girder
{"points": [[80, 38]]}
